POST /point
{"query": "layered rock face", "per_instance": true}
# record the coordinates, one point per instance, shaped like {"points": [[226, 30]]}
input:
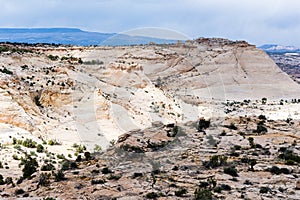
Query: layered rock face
{"points": [[98, 93]]}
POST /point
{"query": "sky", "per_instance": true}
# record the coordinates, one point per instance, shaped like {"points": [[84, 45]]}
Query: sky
{"points": [[256, 21]]}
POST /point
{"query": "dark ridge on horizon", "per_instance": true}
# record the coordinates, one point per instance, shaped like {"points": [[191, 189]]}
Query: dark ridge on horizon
{"points": [[73, 36]]}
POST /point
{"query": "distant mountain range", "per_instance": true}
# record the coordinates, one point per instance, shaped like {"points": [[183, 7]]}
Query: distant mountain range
{"points": [[274, 48], [73, 36]]}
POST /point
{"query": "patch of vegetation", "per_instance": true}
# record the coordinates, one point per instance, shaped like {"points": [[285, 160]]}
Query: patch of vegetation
{"points": [[79, 148], [290, 157], [44, 179], [215, 161], [47, 167], [203, 124], [53, 58], [106, 170], [180, 192], [231, 171], [264, 190], [30, 166], [114, 177], [67, 164], [37, 102], [59, 175], [262, 117], [276, 170], [2, 182], [19, 191], [97, 181], [251, 142], [6, 71], [40, 148], [231, 126], [152, 195], [203, 194], [260, 128], [53, 142], [9, 180]]}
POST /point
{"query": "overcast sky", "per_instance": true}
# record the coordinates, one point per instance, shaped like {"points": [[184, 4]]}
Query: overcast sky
{"points": [[257, 21]]}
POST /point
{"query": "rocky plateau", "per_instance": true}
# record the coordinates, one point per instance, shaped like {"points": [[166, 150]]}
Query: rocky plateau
{"points": [[205, 119]]}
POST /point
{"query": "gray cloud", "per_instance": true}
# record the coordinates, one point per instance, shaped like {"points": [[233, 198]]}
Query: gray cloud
{"points": [[257, 21]]}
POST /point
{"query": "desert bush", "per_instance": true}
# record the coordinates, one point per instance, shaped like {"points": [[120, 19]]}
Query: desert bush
{"points": [[231, 171], [290, 157], [231, 126], [276, 170], [203, 194], [152, 195], [203, 124], [2, 182], [19, 191], [251, 142], [53, 142], [29, 143], [30, 166], [9, 180], [40, 148], [59, 175], [87, 155], [114, 177], [264, 190], [180, 192], [260, 128], [106, 170], [215, 161], [44, 179], [6, 71], [47, 167], [262, 117], [97, 181], [53, 58]]}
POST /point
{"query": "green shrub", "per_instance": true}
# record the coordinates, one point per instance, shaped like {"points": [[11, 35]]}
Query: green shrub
{"points": [[6, 71], [19, 191], [231, 126], [180, 192], [215, 161], [203, 194], [2, 182], [47, 167], [261, 129], [40, 148], [264, 190], [53, 58], [231, 171], [59, 175], [29, 143], [152, 195], [30, 166], [44, 179], [97, 181], [289, 156], [9, 180], [203, 124]]}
